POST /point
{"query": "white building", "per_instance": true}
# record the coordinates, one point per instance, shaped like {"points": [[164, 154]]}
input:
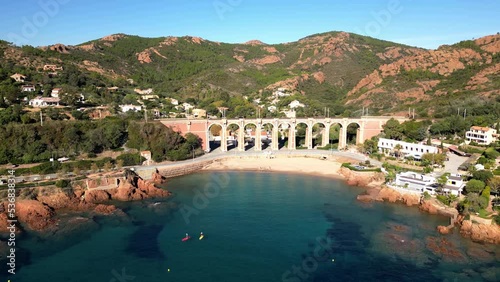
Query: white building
{"points": [[18, 77], [143, 92], [481, 135], [295, 104], [126, 108], [272, 109], [173, 101], [187, 106], [387, 146], [149, 97], [28, 88], [415, 181], [40, 101], [56, 92], [454, 185]]}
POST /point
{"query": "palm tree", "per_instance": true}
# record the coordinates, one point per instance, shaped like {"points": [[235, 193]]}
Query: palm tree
{"points": [[397, 149]]}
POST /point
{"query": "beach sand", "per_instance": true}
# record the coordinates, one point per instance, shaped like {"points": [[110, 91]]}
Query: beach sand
{"points": [[315, 166]]}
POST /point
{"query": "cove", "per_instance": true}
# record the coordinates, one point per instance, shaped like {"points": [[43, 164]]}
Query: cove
{"points": [[261, 227]]}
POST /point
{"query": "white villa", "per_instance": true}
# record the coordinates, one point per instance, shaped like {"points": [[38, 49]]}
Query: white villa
{"points": [[416, 181], [481, 135], [40, 101], [18, 77], [149, 97], [126, 108], [387, 146], [143, 92], [295, 104], [28, 88], [455, 185], [55, 92], [173, 101]]}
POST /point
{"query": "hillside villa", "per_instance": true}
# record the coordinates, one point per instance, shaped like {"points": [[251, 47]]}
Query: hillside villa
{"points": [[18, 77], [28, 88], [143, 92], [126, 108], [481, 135], [388, 146], [55, 92], [40, 101], [52, 68]]}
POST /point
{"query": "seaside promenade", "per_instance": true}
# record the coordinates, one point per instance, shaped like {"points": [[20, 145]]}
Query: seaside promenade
{"points": [[178, 168]]}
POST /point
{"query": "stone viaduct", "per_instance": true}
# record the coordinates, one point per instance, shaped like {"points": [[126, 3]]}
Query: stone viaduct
{"points": [[368, 126]]}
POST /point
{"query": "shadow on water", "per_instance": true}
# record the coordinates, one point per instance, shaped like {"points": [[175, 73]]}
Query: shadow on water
{"points": [[143, 243]]}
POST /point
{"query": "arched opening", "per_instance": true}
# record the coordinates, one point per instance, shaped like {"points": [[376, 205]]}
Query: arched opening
{"points": [[250, 135], [318, 135], [333, 137], [301, 135], [233, 131], [352, 134], [283, 134], [266, 136], [214, 136]]}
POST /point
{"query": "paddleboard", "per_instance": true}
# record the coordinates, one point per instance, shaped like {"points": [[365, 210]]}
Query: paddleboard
{"points": [[201, 237], [186, 238]]}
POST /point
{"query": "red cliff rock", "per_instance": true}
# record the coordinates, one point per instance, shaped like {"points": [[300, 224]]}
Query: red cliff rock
{"points": [[96, 196], [479, 232], [136, 188], [157, 178], [56, 201], [35, 214], [105, 209]]}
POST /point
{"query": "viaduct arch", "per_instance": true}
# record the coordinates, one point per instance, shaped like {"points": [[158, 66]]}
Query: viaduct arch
{"points": [[367, 128]]}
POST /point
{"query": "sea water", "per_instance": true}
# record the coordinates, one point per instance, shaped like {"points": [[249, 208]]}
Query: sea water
{"points": [[257, 227]]}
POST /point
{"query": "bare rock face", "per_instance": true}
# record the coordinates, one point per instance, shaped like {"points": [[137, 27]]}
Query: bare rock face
{"points": [[35, 214], [61, 48], [55, 201], [427, 206], [362, 179], [136, 188], [96, 196], [105, 209], [479, 232], [157, 178]]}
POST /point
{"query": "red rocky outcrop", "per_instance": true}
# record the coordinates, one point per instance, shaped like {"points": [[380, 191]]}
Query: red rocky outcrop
{"points": [[35, 214]]}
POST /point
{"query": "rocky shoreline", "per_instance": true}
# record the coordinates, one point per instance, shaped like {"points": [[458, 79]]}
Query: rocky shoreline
{"points": [[38, 211], [481, 232]]}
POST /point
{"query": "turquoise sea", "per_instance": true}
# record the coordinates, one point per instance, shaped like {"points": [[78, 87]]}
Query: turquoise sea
{"points": [[258, 227]]}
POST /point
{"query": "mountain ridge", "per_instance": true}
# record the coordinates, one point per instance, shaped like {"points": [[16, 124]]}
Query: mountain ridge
{"points": [[338, 69]]}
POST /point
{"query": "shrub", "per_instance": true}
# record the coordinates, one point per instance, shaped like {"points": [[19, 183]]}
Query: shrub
{"points": [[496, 219], [130, 159], [62, 183], [427, 196]]}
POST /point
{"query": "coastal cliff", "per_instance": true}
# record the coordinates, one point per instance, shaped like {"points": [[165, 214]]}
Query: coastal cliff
{"points": [[36, 208], [478, 230]]}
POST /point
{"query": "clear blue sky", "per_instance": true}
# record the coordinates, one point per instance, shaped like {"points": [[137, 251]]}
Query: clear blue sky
{"points": [[421, 23]]}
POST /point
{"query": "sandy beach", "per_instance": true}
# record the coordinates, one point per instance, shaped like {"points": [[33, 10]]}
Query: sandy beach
{"points": [[305, 165]]}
